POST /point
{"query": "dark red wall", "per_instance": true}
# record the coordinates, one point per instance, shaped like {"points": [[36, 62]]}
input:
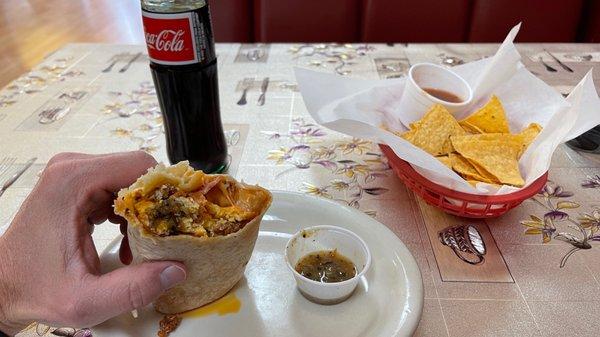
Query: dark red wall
{"points": [[404, 20]]}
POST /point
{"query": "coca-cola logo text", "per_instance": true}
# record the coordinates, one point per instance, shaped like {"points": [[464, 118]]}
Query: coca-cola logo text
{"points": [[167, 40], [170, 38]]}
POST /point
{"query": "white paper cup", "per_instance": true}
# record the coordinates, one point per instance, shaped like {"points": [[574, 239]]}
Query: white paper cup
{"points": [[415, 101], [319, 238]]}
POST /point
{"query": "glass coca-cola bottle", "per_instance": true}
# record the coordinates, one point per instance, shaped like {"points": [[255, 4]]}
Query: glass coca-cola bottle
{"points": [[183, 63]]}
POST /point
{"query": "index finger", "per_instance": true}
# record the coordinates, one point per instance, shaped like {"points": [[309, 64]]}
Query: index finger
{"points": [[103, 176], [113, 172]]}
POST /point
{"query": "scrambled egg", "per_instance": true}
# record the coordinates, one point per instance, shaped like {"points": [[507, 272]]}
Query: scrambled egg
{"points": [[168, 211]]}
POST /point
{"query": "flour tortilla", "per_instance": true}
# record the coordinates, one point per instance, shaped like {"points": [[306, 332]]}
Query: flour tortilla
{"points": [[214, 264]]}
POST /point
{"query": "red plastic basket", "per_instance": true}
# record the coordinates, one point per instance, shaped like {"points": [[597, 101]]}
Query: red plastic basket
{"points": [[459, 203]]}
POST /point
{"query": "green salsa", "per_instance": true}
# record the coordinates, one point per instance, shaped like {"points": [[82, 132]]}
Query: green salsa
{"points": [[326, 266]]}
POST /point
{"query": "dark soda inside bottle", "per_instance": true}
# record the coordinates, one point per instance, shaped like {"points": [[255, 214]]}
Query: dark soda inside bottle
{"points": [[189, 100]]}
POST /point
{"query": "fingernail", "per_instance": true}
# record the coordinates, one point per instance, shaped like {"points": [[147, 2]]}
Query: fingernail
{"points": [[171, 275]]}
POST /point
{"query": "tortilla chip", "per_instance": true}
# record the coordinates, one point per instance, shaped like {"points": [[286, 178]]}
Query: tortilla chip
{"points": [[463, 167], [484, 175], [414, 125], [446, 160], [470, 128], [497, 156], [500, 137], [473, 182], [489, 119], [494, 136], [448, 148], [432, 133], [408, 135], [528, 135], [525, 137]]}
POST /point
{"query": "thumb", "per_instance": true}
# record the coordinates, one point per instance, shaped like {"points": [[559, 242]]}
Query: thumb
{"points": [[128, 288]]}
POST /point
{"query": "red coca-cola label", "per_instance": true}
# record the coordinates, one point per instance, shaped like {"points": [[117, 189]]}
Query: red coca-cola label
{"points": [[170, 38]]}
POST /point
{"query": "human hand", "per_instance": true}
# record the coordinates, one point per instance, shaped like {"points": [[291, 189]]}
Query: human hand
{"points": [[50, 270]]}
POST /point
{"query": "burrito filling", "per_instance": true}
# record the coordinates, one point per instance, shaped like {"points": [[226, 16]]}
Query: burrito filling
{"points": [[219, 208]]}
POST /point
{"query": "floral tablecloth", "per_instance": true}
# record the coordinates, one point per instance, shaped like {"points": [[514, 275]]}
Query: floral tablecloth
{"points": [[85, 98]]}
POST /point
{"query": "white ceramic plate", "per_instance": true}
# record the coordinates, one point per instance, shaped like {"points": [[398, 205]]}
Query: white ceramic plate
{"points": [[387, 302]]}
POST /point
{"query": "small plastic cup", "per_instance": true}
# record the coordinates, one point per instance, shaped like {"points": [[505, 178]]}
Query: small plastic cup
{"points": [[320, 238], [415, 101]]}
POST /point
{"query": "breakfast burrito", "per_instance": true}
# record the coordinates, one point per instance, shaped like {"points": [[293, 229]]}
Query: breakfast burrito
{"points": [[208, 222]]}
